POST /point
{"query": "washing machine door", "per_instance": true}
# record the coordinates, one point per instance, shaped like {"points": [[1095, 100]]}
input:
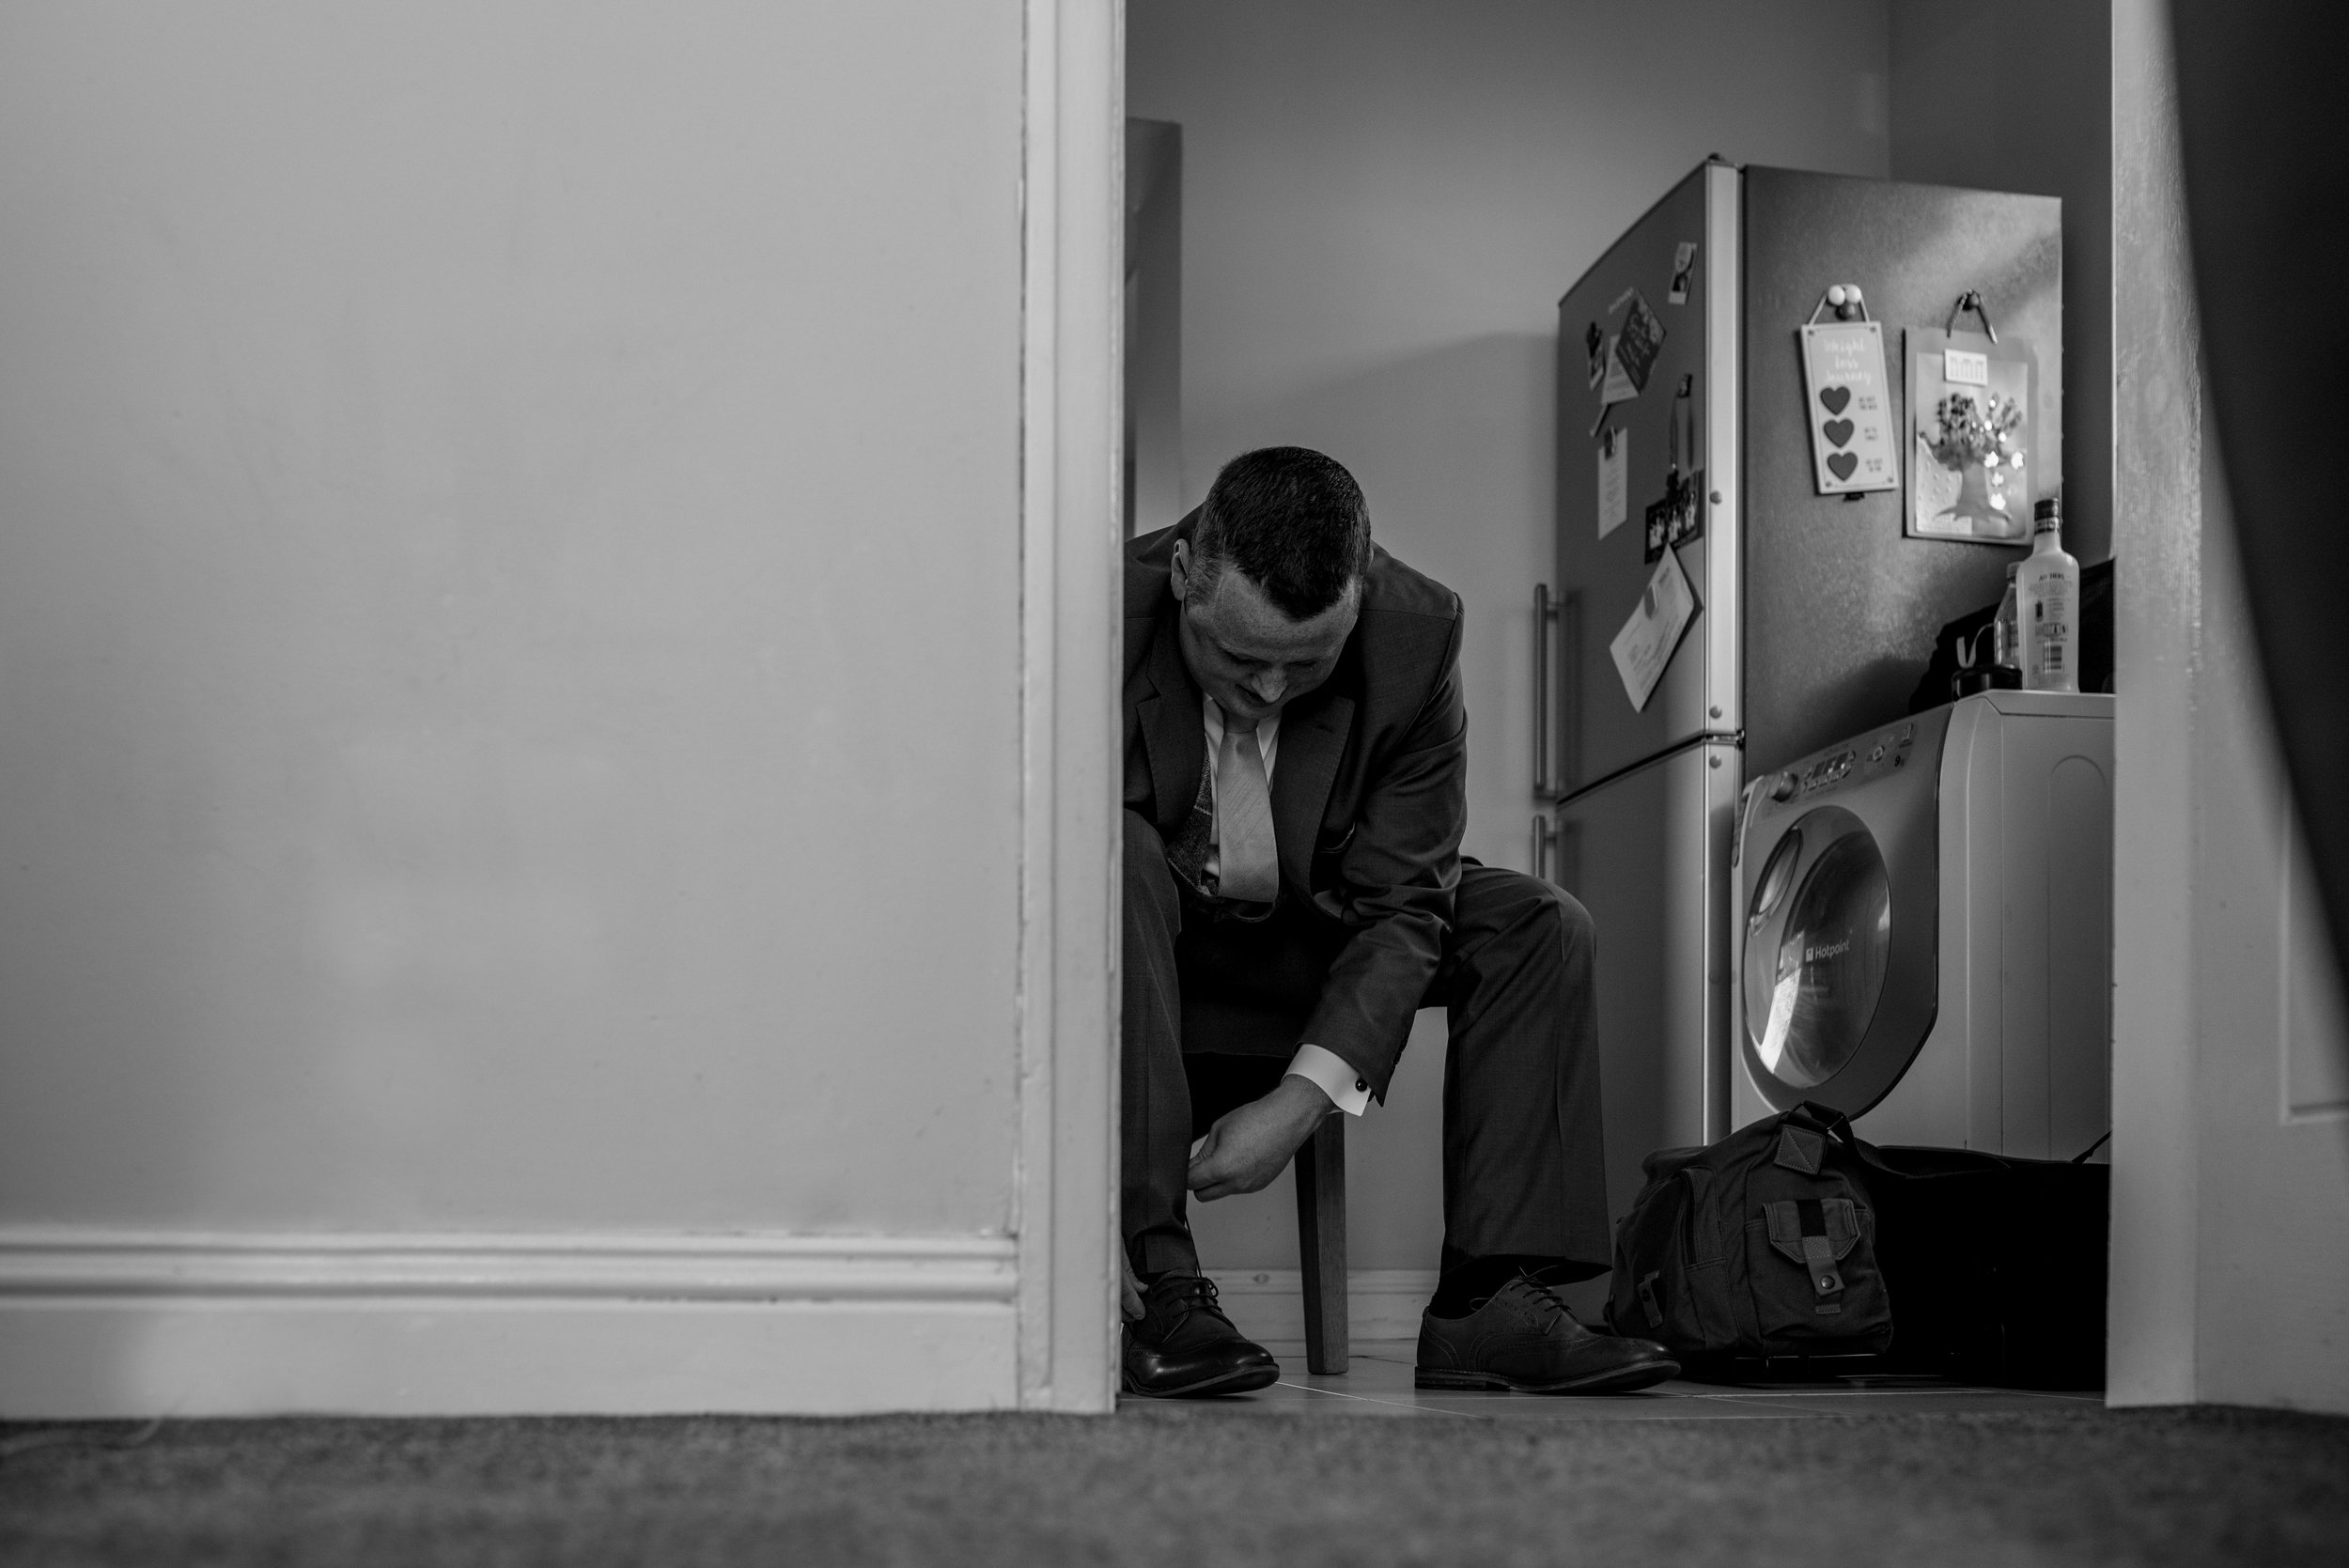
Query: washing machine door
{"points": [[1838, 972]]}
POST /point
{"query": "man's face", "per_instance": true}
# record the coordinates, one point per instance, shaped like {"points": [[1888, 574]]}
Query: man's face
{"points": [[1243, 651]]}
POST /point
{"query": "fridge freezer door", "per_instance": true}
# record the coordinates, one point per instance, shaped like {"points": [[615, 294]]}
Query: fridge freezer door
{"points": [[1602, 580], [1648, 855]]}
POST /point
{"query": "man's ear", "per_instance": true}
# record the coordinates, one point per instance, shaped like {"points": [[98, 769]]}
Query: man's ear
{"points": [[1178, 574]]}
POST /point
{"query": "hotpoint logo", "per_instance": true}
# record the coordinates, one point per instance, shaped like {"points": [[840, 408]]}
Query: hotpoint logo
{"points": [[1824, 951]]}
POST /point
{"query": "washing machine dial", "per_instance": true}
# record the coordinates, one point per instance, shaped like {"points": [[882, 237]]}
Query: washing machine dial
{"points": [[1783, 788]]}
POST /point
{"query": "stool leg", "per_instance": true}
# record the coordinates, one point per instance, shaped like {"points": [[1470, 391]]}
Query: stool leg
{"points": [[1321, 1244]]}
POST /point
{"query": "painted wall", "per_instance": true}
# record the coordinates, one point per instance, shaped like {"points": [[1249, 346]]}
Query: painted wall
{"points": [[2231, 1105], [1383, 201], [508, 616], [2015, 95]]}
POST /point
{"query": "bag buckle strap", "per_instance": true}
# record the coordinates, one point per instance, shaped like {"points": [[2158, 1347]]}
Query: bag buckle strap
{"points": [[1826, 1278], [1647, 1297]]}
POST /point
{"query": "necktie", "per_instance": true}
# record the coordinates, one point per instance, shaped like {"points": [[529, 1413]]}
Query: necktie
{"points": [[1247, 864]]}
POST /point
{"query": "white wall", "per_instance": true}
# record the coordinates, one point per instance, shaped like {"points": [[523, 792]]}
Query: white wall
{"points": [[509, 623], [1383, 202], [2231, 1107]]}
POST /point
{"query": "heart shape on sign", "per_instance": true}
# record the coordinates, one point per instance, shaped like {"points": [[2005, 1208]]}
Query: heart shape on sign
{"points": [[1835, 398], [1841, 463], [1838, 431]]}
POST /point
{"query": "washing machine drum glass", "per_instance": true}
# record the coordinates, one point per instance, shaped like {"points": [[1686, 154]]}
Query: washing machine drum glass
{"points": [[1811, 993]]}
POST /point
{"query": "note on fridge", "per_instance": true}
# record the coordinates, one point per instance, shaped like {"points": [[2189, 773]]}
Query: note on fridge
{"points": [[1644, 647], [1614, 479]]}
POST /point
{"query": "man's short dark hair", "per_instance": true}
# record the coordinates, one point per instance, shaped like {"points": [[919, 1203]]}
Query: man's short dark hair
{"points": [[1291, 520]]}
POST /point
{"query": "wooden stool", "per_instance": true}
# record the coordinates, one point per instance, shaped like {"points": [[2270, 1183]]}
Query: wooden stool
{"points": [[1321, 1244]]}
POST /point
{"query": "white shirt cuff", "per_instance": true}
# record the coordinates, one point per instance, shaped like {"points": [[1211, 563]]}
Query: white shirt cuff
{"points": [[1328, 1071]]}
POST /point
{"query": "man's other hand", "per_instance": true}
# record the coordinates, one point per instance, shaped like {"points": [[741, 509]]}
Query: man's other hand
{"points": [[1128, 1289], [1247, 1147]]}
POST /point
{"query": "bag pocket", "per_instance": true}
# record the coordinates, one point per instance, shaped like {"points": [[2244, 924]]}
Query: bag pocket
{"points": [[1672, 1280], [1811, 1270]]}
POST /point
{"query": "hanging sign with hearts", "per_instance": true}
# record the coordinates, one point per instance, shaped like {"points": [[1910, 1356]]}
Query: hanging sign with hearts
{"points": [[1851, 417]]}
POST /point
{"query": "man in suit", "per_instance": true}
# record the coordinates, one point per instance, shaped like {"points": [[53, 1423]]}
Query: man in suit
{"points": [[1294, 760]]}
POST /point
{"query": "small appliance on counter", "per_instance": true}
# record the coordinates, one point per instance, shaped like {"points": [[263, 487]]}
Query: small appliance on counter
{"points": [[1924, 929]]}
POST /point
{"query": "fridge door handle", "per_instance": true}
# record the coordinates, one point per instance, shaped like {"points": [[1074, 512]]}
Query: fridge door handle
{"points": [[1544, 848], [1544, 666]]}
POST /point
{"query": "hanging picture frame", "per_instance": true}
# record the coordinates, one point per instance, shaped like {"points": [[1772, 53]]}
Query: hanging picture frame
{"points": [[1848, 397], [1974, 436]]}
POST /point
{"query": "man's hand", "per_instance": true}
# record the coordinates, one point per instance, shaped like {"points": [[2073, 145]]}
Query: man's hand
{"points": [[1128, 1288], [1247, 1147]]}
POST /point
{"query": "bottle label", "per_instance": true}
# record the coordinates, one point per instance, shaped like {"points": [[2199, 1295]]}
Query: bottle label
{"points": [[2050, 631]]}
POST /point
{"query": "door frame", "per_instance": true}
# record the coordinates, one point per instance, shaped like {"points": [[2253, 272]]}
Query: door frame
{"points": [[1071, 436]]}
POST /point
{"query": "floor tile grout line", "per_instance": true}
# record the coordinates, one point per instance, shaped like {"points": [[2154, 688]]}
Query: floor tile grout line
{"points": [[1366, 1399]]}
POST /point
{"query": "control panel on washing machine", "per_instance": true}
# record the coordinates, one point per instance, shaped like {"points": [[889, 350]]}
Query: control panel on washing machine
{"points": [[1878, 753]]}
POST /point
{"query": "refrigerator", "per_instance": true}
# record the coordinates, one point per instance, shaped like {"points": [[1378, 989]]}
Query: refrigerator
{"points": [[1814, 614]]}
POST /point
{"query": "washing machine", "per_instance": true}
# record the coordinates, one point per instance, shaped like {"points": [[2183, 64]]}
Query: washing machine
{"points": [[1924, 929]]}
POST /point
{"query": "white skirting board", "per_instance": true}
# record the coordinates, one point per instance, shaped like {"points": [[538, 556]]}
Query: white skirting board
{"points": [[113, 1324], [1381, 1303]]}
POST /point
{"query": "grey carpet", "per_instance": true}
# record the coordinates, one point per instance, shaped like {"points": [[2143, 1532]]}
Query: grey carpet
{"points": [[1178, 1485]]}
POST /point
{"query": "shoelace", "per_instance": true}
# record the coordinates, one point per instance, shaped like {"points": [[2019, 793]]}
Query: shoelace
{"points": [[1189, 1293], [1548, 1305]]}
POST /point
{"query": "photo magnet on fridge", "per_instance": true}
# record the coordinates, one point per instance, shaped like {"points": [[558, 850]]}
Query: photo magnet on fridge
{"points": [[1684, 261], [1685, 520], [1659, 527], [1594, 350]]}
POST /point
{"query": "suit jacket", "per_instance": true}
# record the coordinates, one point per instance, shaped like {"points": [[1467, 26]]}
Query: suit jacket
{"points": [[1369, 794]]}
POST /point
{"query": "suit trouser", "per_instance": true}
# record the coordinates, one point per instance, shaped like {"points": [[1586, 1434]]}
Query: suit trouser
{"points": [[1523, 1168]]}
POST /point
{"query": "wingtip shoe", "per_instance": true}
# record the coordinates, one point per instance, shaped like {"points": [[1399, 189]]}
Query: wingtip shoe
{"points": [[1524, 1338], [1184, 1347]]}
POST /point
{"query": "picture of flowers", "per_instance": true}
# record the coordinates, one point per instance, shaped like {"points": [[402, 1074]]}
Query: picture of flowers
{"points": [[1970, 448]]}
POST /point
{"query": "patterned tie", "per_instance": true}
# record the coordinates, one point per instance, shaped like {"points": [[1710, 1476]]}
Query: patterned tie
{"points": [[1248, 863]]}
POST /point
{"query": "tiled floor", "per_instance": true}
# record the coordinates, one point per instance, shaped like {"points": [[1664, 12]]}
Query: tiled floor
{"points": [[1378, 1383]]}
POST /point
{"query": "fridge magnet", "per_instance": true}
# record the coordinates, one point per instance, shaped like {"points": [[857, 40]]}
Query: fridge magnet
{"points": [[1659, 528], [1616, 385], [1684, 521], [1683, 262], [1843, 364], [1684, 491], [1630, 355], [1971, 399], [1639, 343], [1614, 479], [1644, 649], [1594, 351]]}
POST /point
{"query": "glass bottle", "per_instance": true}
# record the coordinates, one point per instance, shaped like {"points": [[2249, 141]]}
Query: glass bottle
{"points": [[2046, 606]]}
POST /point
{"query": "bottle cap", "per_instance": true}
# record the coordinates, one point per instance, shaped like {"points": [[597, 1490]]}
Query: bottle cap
{"points": [[2048, 510]]}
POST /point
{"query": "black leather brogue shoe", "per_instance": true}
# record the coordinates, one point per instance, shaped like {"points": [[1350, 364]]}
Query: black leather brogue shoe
{"points": [[1524, 1338], [1184, 1347]]}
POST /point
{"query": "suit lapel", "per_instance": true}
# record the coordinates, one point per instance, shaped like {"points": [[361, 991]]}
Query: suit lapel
{"points": [[1171, 730], [1313, 741]]}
